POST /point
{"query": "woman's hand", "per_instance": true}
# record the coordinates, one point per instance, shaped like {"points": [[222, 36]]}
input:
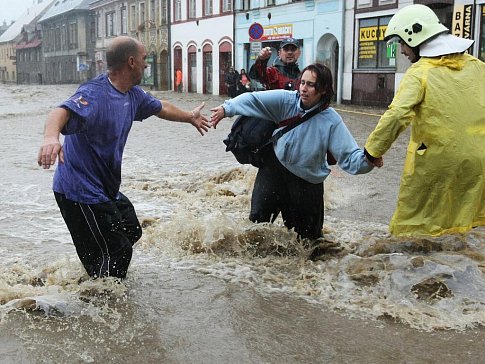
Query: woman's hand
{"points": [[217, 115], [377, 162]]}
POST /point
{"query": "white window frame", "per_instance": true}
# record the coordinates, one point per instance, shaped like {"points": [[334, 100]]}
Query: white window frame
{"points": [[208, 7], [124, 20], [133, 24], [227, 6], [110, 24], [192, 6], [177, 10]]}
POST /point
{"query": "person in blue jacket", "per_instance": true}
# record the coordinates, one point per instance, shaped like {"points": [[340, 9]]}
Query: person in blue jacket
{"points": [[96, 121], [291, 181]]}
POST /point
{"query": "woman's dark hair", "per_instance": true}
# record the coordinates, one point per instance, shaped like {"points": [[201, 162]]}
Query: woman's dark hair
{"points": [[118, 55], [324, 82]]}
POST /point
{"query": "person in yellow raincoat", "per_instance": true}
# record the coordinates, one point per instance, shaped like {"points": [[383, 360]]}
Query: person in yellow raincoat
{"points": [[442, 97]]}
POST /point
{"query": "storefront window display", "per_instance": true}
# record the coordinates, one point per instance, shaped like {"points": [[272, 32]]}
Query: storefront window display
{"points": [[373, 51]]}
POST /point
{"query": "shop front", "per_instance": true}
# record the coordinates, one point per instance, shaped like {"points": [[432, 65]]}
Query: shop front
{"points": [[373, 78]]}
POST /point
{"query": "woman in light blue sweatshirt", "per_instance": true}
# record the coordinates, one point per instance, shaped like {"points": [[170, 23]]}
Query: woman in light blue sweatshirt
{"points": [[291, 181]]}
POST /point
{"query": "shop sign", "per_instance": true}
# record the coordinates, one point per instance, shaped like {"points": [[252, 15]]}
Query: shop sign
{"points": [[277, 32], [374, 33], [368, 37], [255, 47], [462, 21], [81, 64], [82, 67], [98, 56], [391, 50]]}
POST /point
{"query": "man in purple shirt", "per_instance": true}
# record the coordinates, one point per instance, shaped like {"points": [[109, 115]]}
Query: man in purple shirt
{"points": [[96, 121]]}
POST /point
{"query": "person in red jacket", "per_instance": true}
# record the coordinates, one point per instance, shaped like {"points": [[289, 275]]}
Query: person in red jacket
{"points": [[178, 80], [284, 73]]}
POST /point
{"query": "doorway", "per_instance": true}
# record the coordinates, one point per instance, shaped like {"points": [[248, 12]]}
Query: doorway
{"points": [[207, 66], [192, 63], [225, 62], [327, 54]]}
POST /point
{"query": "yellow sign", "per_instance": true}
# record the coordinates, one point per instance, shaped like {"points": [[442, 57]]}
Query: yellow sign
{"points": [[276, 32], [462, 21], [367, 50], [367, 34]]}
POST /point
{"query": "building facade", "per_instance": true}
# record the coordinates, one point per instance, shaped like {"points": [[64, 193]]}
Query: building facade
{"points": [[30, 61], [373, 73], [370, 71], [148, 21], [202, 41], [111, 20], [8, 70], [318, 26], [11, 36], [68, 37]]}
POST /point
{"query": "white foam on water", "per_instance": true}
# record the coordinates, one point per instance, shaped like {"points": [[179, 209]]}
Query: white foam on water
{"points": [[426, 284], [60, 289]]}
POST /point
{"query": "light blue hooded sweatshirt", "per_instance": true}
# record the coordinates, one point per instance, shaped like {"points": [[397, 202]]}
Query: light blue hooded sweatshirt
{"points": [[303, 149]]}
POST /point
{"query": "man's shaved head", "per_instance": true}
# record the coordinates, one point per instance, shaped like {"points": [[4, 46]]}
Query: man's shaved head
{"points": [[120, 50]]}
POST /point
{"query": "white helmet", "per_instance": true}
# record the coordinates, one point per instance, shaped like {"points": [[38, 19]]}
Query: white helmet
{"points": [[414, 24]]}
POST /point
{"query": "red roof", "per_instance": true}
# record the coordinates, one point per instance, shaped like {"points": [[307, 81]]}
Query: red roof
{"points": [[32, 44]]}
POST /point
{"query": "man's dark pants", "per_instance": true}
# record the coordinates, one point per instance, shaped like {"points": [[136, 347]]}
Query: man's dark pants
{"points": [[103, 234]]}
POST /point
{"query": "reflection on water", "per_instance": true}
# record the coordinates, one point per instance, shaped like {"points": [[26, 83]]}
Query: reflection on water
{"points": [[201, 268]]}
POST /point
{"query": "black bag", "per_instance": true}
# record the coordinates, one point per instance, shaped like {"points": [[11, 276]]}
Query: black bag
{"points": [[250, 137], [249, 134]]}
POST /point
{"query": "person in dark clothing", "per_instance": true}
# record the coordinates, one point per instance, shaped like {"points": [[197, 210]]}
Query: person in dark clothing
{"points": [[284, 73], [96, 122], [231, 79], [244, 83], [290, 181]]}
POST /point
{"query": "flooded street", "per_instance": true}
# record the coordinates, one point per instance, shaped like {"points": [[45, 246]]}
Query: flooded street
{"points": [[207, 286]]}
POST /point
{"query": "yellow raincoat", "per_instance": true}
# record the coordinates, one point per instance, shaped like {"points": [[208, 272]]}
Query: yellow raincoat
{"points": [[443, 183]]}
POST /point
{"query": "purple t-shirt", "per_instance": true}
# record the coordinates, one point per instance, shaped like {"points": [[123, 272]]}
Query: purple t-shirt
{"points": [[95, 137]]}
